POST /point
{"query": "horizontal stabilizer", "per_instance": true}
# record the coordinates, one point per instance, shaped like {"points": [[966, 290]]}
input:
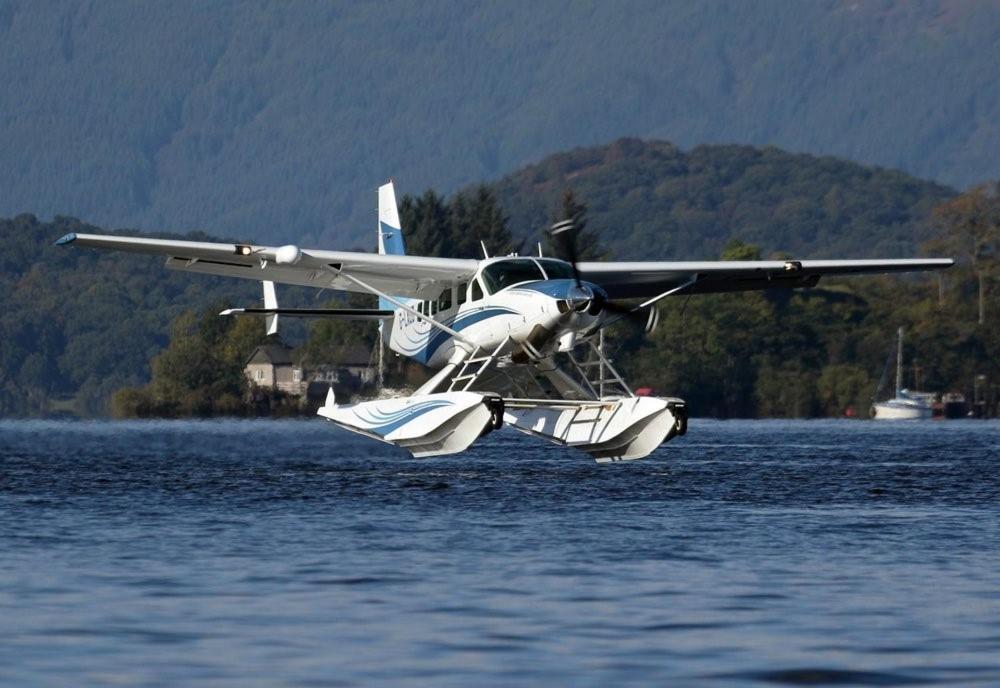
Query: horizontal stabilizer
{"points": [[341, 313]]}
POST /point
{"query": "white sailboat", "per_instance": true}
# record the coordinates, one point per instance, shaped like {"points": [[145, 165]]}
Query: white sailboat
{"points": [[905, 405]]}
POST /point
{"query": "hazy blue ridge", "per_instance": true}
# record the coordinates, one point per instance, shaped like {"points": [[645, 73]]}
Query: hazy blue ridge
{"points": [[278, 120]]}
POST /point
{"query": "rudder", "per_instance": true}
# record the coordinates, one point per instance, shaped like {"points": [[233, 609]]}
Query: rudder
{"points": [[390, 231]]}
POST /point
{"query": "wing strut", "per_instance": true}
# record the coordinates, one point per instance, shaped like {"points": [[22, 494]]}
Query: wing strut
{"points": [[649, 302], [336, 313], [391, 299]]}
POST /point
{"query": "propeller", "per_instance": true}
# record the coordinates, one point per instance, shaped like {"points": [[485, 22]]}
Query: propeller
{"points": [[646, 316], [564, 235]]}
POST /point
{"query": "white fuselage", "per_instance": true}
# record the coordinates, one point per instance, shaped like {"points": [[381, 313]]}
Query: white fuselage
{"points": [[486, 311]]}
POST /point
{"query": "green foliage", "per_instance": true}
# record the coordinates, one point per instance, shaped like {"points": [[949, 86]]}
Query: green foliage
{"points": [[586, 243], [737, 250], [80, 324], [649, 200], [328, 337], [455, 228], [971, 231], [200, 373], [426, 227], [813, 352], [844, 385]]}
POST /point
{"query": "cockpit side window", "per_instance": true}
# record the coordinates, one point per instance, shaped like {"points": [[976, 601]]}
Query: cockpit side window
{"points": [[556, 269], [463, 293], [505, 273], [477, 291]]}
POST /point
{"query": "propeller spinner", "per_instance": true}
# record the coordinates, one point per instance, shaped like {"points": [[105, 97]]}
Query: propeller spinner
{"points": [[582, 298]]}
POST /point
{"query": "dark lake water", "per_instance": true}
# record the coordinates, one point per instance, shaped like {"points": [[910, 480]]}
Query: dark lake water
{"points": [[263, 553]]}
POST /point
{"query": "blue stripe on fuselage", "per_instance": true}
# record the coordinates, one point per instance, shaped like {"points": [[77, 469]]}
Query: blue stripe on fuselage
{"points": [[462, 321]]}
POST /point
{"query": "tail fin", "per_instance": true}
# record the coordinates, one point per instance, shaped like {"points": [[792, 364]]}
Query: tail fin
{"points": [[390, 232]]}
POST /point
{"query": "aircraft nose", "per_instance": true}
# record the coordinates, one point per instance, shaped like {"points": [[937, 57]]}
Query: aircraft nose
{"points": [[579, 297]]}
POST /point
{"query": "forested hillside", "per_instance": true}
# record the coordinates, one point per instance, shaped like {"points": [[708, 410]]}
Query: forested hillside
{"points": [[278, 120], [79, 324], [650, 200]]}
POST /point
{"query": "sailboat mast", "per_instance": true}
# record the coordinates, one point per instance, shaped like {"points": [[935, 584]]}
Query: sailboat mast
{"points": [[899, 362]]}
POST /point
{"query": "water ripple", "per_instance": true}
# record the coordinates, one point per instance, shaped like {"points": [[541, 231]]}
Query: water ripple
{"points": [[261, 553]]}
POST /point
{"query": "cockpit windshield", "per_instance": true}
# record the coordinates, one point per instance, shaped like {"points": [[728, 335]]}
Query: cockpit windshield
{"points": [[556, 269], [505, 273]]}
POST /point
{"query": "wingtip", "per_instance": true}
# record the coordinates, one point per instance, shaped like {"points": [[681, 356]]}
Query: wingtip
{"points": [[66, 239]]}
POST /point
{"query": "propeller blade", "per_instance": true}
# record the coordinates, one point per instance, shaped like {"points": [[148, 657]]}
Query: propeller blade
{"points": [[653, 320], [648, 317], [563, 234]]}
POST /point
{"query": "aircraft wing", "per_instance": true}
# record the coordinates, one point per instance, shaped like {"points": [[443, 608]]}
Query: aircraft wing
{"points": [[646, 280], [410, 276]]}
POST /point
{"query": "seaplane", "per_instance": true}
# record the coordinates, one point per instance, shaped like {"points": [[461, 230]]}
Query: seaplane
{"points": [[510, 340]]}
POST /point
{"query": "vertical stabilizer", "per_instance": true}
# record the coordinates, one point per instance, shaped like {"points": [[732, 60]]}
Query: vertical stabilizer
{"points": [[390, 232]]}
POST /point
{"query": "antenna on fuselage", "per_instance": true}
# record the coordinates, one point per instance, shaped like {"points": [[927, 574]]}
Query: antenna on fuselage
{"points": [[486, 254], [540, 250]]}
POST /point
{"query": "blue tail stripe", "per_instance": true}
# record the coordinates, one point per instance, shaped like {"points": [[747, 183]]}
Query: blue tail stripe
{"points": [[392, 243]]}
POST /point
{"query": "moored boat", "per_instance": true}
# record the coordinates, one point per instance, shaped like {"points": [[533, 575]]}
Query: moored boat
{"points": [[905, 405]]}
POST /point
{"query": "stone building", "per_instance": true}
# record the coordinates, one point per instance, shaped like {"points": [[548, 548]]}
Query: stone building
{"points": [[270, 366]]}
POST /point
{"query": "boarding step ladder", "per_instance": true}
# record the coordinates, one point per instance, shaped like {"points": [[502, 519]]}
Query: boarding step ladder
{"points": [[474, 366], [597, 372]]}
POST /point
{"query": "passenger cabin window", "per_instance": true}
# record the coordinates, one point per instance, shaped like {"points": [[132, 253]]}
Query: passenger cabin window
{"points": [[556, 269], [444, 301], [506, 273], [477, 291], [463, 293]]}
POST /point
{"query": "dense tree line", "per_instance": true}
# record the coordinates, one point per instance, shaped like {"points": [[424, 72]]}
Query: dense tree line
{"points": [[80, 324], [652, 200], [200, 373], [459, 227]]}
